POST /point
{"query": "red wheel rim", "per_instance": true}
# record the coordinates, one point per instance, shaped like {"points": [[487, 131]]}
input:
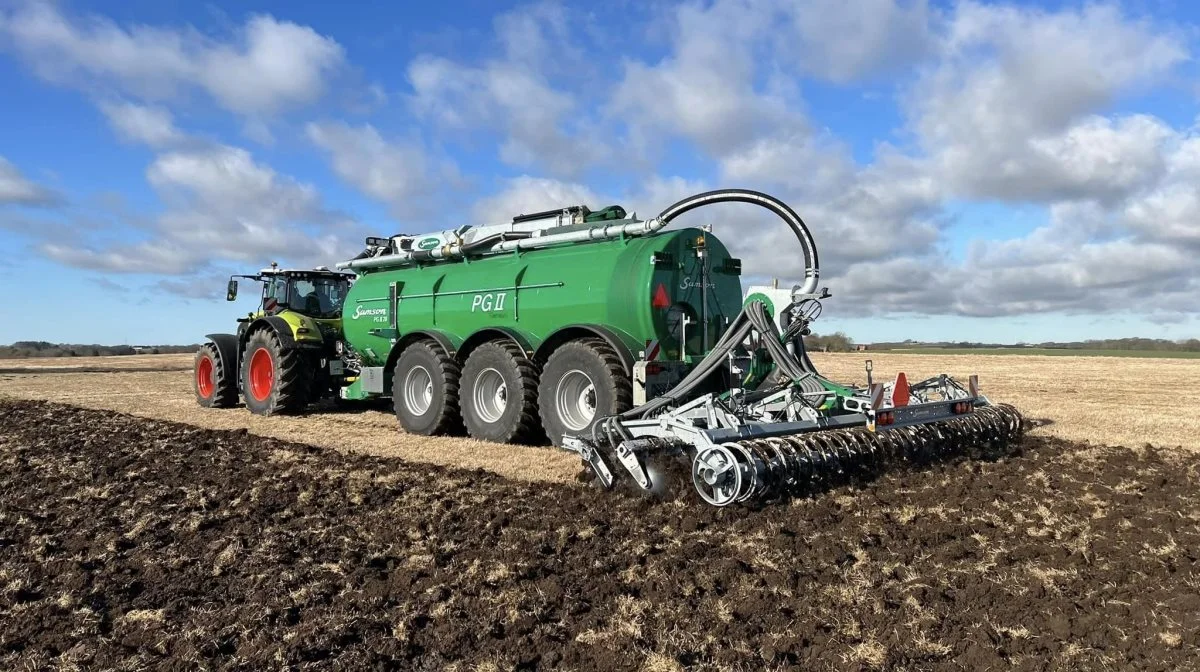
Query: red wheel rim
{"points": [[204, 377], [262, 374]]}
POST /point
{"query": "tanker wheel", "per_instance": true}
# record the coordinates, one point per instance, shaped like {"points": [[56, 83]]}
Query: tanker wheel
{"points": [[215, 386], [582, 382], [499, 394], [274, 379], [425, 390]]}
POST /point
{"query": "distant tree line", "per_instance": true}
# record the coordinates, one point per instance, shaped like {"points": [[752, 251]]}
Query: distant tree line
{"points": [[27, 349], [1144, 344], [835, 342]]}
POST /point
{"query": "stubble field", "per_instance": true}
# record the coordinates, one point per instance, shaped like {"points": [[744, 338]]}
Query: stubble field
{"points": [[234, 541]]}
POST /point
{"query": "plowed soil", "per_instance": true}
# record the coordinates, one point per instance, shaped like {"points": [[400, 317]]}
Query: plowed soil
{"points": [[131, 543]]}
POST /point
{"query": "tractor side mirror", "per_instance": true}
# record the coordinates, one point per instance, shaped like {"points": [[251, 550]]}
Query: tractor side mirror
{"points": [[231, 292]]}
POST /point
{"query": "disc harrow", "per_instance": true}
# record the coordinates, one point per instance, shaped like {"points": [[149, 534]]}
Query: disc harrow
{"points": [[756, 469], [763, 469]]}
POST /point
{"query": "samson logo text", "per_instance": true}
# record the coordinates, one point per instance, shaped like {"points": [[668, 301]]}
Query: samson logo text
{"points": [[362, 311], [689, 283]]}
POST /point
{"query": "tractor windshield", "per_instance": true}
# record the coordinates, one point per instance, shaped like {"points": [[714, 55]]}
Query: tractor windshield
{"points": [[318, 297]]}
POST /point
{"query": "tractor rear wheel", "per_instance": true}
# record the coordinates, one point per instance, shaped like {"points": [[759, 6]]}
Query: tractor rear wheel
{"points": [[583, 381], [425, 390], [499, 394], [215, 385], [274, 379]]}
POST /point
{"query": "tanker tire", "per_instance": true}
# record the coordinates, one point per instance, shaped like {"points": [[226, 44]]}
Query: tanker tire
{"points": [[220, 390], [517, 420], [286, 390], [611, 389], [440, 415]]}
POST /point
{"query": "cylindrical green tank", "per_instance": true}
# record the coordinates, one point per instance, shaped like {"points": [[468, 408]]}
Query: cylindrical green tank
{"points": [[540, 342], [640, 289]]}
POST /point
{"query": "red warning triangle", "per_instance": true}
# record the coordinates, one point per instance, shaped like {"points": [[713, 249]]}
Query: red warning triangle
{"points": [[900, 392], [660, 300]]}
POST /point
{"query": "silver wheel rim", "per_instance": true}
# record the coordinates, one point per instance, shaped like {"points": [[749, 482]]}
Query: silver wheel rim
{"points": [[418, 390], [490, 395], [575, 400]]}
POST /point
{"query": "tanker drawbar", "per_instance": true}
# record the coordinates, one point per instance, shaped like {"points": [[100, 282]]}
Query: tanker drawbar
{"points": [[634, 345]]}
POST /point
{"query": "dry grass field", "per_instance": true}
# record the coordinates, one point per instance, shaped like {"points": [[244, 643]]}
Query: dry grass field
{"points": [[1102, 400]]}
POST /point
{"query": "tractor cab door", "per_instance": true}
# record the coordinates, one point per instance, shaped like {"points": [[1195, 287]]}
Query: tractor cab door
{"points": [[275, 295]]}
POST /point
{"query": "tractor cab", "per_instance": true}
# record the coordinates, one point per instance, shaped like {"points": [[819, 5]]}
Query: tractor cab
{"points": [[317, 294]]}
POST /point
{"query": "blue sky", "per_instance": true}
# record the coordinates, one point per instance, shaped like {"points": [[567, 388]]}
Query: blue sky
{"points": [[971, 170]]}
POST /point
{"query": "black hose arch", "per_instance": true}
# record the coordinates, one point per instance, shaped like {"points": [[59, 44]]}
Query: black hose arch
{"points": [[812, 266]]}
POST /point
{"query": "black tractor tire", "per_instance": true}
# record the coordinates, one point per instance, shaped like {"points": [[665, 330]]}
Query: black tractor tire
{"points": [[214, 382], [566, 400], [499, 394], [425, 390], [275, 380]]}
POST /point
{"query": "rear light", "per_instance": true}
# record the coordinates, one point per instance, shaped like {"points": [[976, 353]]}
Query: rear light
{"points": [[885, 418], [653, 369]]}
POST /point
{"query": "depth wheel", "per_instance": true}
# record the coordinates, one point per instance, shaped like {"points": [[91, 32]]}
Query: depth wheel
{"points": [[499, 394], [215, 385], [275, 379], [425, 390], [582, 382]]}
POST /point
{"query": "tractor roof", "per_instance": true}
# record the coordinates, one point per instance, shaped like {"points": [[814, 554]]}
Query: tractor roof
{"points": [[306, 273]]}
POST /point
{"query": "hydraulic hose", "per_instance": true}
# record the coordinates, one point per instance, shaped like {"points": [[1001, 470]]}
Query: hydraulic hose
{"points": [[812, 266]]}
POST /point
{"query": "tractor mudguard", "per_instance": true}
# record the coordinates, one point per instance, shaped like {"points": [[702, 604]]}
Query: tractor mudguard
{"points": [[280, 326], [229, 352]]}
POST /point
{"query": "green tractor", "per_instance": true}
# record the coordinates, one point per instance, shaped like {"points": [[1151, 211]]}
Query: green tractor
{"points": [[284, 356]]}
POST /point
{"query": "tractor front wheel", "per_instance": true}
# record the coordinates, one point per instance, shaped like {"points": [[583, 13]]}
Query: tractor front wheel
{"points": [[215, 385], [274, 379]]}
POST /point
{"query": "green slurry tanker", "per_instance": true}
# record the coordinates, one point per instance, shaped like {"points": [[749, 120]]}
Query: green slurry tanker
{"points": [[630, 344]]}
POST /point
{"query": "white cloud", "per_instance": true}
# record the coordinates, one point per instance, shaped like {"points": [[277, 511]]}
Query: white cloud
{"points": [[843, 41], [16, 189], [1009, 109], [705, 88], [541, 125], [147, 124], [267, 66], [396, 172], [221, 205]]}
